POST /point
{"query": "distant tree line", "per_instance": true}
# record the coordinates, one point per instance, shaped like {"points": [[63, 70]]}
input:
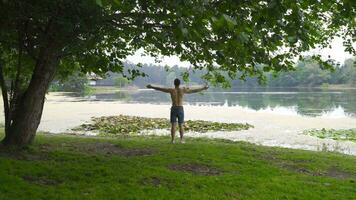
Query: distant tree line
{"points": [[307, 73]]}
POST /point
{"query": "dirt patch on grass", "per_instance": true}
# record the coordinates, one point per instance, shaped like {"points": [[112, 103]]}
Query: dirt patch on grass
{"points": [[157, 182], [339, 174], [111, 149], [138, 152], [300, 166], [295, 166], [44, 181], [332, 172], [298, 169], [195, 169]]}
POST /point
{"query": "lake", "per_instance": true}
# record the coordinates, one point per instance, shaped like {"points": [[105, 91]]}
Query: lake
{"points": [[279, 117], [291, 101]]}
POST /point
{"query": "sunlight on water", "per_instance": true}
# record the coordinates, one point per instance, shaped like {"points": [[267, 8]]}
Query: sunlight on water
{"points": [[291, 102], [290, 111], [338, 112]]}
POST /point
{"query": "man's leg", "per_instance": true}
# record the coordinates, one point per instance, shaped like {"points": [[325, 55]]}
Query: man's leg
{"points": [[181, 132], [181, 122], [173, 131]]}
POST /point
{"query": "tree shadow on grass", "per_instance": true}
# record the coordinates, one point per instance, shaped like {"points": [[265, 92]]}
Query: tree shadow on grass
{"points": [[112, 149], [23, 153]]}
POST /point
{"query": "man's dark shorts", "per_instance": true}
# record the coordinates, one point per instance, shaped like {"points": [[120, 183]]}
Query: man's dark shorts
{"points": [[177, 112]]}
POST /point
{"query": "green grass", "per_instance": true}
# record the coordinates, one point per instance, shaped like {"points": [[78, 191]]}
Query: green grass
{"points": [[342, 134], [73, 167]]}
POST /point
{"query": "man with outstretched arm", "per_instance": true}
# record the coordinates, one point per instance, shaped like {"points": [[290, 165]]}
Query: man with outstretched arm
{"points": [[177, 111]]}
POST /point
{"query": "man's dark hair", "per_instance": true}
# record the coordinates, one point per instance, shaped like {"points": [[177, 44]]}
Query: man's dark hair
{"points": [[176, 82]]}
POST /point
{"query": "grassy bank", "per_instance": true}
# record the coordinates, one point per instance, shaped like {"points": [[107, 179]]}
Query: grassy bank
{"points": [[72, 167]]}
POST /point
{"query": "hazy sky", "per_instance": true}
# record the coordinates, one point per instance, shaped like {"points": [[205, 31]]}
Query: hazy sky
{"points": [[336, 52]]}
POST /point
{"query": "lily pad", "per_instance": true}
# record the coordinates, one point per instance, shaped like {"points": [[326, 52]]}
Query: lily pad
{"points": [[342, 134], [131, 125]]}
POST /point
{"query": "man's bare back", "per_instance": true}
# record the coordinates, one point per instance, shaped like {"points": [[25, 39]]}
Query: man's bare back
{"points": [[177, 95]]}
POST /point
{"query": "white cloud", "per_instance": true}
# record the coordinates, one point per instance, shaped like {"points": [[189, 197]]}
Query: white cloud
{"points": [[165, 60], [336, 52]]}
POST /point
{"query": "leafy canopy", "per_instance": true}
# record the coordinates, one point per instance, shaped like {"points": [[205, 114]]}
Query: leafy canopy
{"points": [[221, 36]]}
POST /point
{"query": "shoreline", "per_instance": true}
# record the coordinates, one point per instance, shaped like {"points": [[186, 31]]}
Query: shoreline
{"points": [[62, 113], [108, 89]]}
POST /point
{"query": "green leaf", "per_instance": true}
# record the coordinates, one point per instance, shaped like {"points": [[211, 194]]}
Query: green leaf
{"points": [[99, 2], [185, 76], [292, 39], [244, 37]]}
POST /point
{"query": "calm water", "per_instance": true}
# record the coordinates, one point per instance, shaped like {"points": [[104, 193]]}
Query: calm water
{"points": [[309, 102]]}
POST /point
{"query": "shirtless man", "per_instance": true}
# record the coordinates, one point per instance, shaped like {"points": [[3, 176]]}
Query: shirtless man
{"points": [[177, 111]]}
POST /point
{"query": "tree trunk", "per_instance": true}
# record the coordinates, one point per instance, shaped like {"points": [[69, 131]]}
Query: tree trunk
{"points": [[28, 111]]}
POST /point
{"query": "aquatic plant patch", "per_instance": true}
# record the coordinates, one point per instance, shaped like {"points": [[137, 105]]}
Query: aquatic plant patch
{"points": [[342, 134], [130, 125]]}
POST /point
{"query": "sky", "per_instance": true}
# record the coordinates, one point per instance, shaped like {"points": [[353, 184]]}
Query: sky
{"points": [[336, 52]]}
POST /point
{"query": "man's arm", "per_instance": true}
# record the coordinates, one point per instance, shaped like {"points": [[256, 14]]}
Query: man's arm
{"points": [[195, 90], [167, 90]]}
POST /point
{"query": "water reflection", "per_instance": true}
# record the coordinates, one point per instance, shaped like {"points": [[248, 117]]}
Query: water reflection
{"points": [[307, 102]]}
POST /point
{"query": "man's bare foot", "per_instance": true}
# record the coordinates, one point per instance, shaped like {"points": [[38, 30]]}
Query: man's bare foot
{"points": [[182, 141]]}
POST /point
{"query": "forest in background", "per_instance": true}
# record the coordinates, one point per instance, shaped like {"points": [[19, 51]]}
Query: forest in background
{"points": [[307, 73]]}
